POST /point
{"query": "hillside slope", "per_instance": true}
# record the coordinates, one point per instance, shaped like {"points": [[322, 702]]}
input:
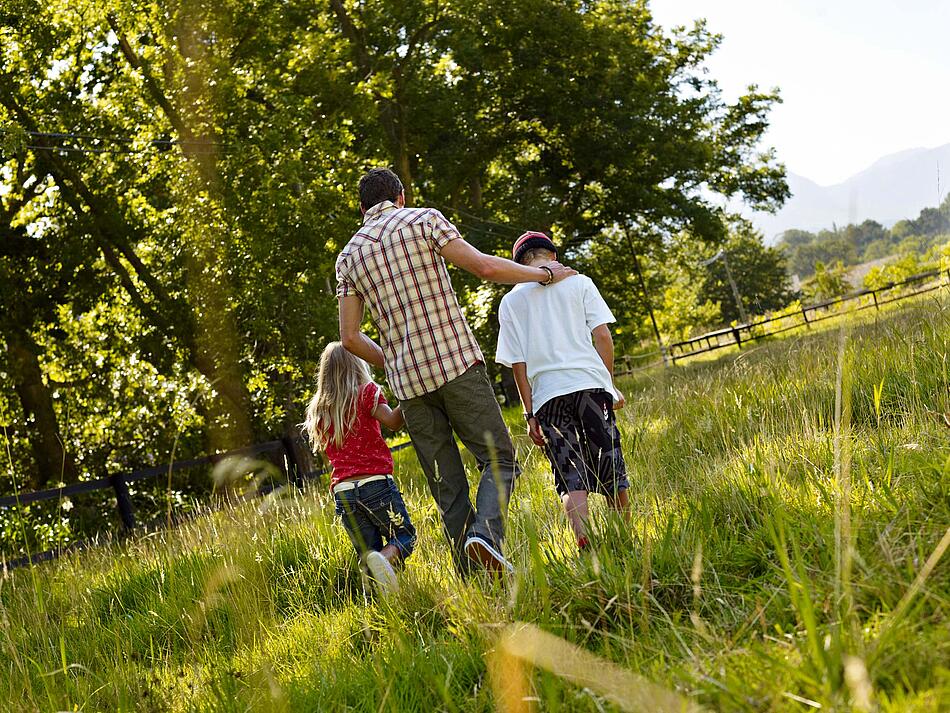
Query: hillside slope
{"points": [[778, 556]]}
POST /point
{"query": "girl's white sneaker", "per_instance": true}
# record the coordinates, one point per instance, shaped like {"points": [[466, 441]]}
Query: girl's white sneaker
{"points": [[382, 572]]}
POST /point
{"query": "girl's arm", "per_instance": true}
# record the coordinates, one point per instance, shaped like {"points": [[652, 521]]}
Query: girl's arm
{"points": [[391, 418], [520, 370]]}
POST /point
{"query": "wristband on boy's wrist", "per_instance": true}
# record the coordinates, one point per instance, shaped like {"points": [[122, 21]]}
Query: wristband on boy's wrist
{"points": [[528, 415], [550, 275]]}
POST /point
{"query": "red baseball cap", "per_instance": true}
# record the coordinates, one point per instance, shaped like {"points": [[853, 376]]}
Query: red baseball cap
{"points": [[529, 241]]}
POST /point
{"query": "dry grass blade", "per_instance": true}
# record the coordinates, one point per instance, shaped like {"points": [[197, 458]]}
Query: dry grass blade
{"points": [[627, 690], [844, 542], [904, 604]]}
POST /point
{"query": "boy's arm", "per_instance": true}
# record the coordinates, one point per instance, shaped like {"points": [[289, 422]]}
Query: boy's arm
{"points": [[391, 418], [520, 370], [604, 344]]}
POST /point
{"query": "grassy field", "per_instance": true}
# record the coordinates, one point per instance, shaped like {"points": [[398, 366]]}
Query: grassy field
{"points": [[792, 503]]}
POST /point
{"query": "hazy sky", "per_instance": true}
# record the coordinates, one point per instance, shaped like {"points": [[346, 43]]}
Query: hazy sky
{"points": [[859, 78]]}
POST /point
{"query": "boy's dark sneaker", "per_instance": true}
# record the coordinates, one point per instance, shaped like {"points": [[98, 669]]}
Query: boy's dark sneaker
{"points": [[382, 572], [481, 551]]}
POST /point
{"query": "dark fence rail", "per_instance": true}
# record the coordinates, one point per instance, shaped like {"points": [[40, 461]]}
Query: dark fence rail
{"points": [[294, 468], [808, 315], [119, 484]]}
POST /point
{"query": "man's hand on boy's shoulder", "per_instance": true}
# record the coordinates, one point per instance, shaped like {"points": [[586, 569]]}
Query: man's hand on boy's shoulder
{"points": [[558, 271]]}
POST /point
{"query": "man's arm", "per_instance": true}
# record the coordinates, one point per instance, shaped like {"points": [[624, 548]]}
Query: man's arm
{"points": [[604, 344], [354, 341], [498, 269], [520, 370]]}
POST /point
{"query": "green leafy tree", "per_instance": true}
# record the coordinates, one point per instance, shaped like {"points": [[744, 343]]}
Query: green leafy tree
{"points": [[178, 177], [828, 246], [34, 287], [862, 235], [683, 310], [878, 249], [791, 239], [594, 124], [827, 282], [760, 273], [931, 221], [897, 271]]}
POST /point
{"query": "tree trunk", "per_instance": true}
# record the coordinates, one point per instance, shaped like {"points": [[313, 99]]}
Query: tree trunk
{"points": [[53, 462], [217, 343], [476, 192], [403, 159]]}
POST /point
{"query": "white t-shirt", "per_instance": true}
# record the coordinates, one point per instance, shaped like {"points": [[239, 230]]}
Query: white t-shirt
{"points": [[549, 329]]}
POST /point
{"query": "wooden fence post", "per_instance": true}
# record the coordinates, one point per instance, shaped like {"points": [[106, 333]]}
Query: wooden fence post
{"points": [[874, 295], [123, 501], [805, 315], [735, 334], [299, 460]]}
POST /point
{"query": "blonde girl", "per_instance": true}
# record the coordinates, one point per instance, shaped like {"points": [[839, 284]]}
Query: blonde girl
{"points": [[343, 420]]}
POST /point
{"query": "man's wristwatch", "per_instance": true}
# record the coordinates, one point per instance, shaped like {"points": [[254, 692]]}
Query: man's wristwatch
{"points": [[550, 275], [528, 415]]}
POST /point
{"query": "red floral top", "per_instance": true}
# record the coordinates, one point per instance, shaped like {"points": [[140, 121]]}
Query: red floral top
{"points": [[363, 451]]}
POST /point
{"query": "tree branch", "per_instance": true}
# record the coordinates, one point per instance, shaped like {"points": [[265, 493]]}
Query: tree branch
{"points": [[172, 114], [355, 35]]}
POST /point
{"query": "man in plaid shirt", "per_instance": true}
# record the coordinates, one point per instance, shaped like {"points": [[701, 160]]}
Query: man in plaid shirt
{"points": [[395, 265]]}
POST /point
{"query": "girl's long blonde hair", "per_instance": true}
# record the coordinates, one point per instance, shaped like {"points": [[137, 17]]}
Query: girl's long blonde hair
{"points": [[333, 409]]}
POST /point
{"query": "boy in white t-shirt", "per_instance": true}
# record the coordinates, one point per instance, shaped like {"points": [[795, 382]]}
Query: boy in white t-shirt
{"points": [[556, 340]]}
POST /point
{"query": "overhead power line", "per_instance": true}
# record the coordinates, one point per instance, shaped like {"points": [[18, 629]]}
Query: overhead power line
{"points": [[76, 149], [121, 139], [101, 144], [505, 226], [476, 225]]}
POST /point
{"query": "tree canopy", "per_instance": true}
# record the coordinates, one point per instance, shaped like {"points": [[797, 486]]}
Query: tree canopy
{"points": [[178, 176]]}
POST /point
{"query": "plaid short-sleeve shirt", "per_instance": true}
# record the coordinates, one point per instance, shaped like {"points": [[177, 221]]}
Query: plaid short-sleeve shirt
{"points": [[394, 264]]}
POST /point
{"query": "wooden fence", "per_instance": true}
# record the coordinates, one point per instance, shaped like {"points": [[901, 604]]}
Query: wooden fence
{"points": [[737, 335], [286, 450]]}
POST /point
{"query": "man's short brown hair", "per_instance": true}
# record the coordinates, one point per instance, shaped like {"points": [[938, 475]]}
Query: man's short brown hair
{"points": [[379, 185]]}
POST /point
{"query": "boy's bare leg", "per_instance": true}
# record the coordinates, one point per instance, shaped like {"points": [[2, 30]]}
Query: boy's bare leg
{"points": [[391, 553], [621, 503], [578, 513]]}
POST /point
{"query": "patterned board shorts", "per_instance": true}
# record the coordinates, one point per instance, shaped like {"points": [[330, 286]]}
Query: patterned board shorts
{"points": [[583, 442]]}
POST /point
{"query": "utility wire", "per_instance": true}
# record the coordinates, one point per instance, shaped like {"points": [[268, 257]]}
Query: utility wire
{"points": [[485, 229], [117, 139], [194, 146], [76, 149], [504, 226]]}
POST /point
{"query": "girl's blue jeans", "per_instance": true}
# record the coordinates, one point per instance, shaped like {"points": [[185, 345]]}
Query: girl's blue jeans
{"points": [[374, 515]]}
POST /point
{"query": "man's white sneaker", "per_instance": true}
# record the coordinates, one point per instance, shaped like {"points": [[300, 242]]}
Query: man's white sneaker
{"points": [[480, 550], [382, 572]]}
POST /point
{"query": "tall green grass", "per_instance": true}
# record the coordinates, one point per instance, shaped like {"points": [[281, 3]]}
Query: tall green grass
{"points": [[791, 504]]}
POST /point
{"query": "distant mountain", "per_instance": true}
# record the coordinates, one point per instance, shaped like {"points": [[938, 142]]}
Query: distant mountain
{"points": [[895, 187]]}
